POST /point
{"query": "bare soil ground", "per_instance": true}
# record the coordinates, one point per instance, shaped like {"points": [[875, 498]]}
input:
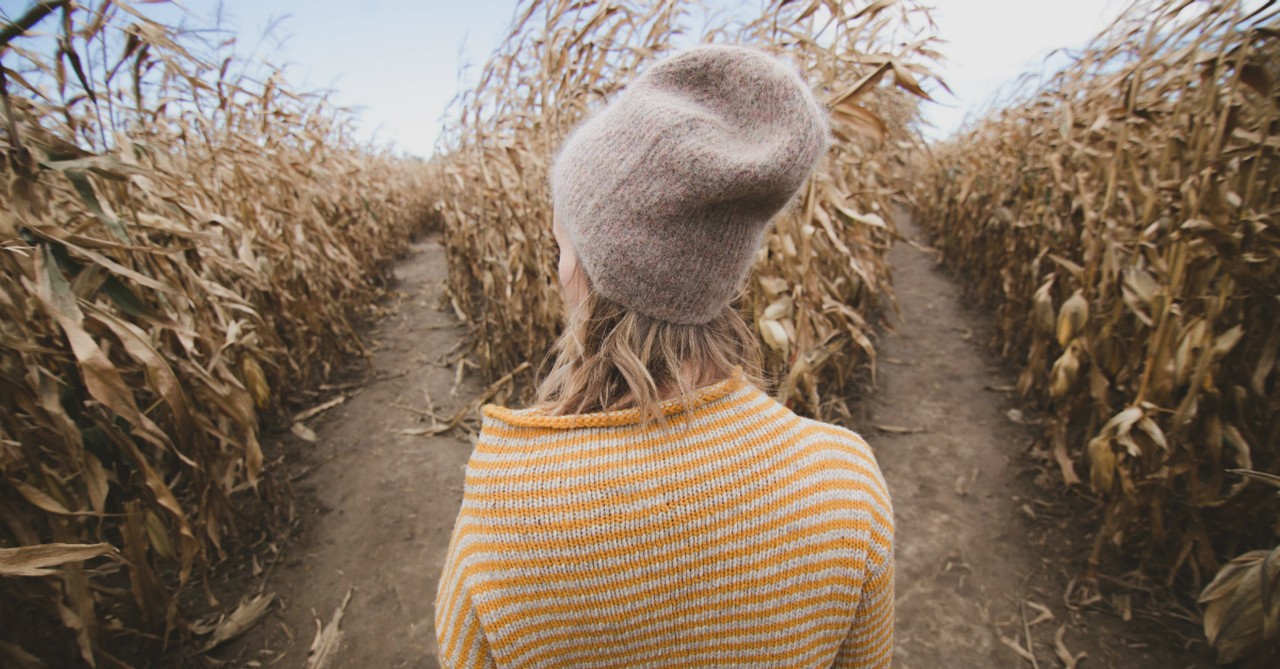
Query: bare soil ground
{"points": [[988, 542]]}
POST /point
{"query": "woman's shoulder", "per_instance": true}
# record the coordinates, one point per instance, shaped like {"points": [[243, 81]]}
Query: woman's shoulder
{"points": [[498, 415], [840, 436]]}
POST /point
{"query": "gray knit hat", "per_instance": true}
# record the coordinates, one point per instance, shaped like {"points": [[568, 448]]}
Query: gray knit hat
{"points": [[666, 193]]}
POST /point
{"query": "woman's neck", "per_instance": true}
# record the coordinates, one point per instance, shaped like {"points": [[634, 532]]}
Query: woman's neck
{"points": [[690, 377]]}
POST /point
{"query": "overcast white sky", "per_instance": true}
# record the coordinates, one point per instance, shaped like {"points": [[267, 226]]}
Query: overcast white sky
{"points": [[398, 60], [990, 42]]}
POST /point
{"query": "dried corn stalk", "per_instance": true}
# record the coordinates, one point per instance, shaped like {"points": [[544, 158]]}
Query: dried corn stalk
{"points": [[821, 279], [180, 245], [1121, 218]]}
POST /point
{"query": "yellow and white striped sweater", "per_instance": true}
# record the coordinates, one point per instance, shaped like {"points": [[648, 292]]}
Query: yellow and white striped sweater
{"points": [[738, 535]]}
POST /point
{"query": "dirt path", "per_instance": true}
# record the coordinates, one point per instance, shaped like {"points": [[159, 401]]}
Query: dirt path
{"points": [[376, 505], [981, 546]]}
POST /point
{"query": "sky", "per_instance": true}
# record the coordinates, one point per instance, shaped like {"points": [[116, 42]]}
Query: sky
{"points": [[989, 43], [398, 62]]}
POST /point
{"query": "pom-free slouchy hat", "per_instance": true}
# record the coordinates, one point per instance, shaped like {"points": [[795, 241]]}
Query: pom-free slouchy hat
{"points": [[665, 194]]}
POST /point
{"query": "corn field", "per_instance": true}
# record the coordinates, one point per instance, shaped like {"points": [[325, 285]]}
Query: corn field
{"points": [[1121, 219], [188, 245], [183, 241], [821, 280]]}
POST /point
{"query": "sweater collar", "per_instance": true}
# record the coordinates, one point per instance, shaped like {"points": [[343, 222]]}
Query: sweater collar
{"points": [[535, 417]]}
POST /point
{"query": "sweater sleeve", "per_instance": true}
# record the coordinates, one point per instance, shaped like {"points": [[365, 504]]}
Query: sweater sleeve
{"points": [[460, 637], [464, 639], [869, 643]]}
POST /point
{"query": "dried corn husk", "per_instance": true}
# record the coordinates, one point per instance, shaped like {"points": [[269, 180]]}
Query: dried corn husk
{"points": [[1242, 607]]}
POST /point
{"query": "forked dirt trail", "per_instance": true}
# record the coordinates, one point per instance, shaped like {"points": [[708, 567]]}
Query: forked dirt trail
{"points": [[984, 552]]}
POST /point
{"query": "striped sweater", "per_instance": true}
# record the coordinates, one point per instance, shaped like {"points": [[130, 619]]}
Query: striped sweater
{"points": [[738, 535]]}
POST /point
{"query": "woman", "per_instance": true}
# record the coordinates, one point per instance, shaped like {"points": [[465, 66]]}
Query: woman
{"points": [[655, 508]]}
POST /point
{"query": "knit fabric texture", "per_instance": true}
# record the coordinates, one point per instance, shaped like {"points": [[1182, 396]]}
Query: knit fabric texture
{"points": [[666, 193], [739, 535]]}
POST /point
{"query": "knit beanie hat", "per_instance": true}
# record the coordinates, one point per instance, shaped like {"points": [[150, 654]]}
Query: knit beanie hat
{"points": [[665, 194]]}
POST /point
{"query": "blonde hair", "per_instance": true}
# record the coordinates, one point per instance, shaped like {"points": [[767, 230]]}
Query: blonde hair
{"points": [[611, 358]]}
